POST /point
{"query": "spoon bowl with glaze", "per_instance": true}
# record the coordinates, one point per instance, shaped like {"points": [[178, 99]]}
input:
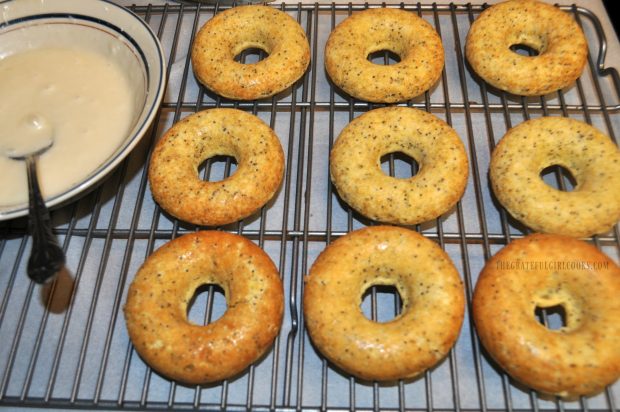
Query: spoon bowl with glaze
{"points": [[46, 257], [46, 46]]}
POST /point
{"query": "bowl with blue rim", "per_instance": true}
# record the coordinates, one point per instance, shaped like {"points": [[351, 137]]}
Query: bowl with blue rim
{"points": [[88, 74]]}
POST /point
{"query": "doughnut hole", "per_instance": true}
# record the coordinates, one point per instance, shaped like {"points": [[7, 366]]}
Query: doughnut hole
{"points": [[524, 50], [552, 317], [526, 44], [381, 303], [399, 165], [556, 308], [208, 304], [559, 177], [217, 168], [251, 55], [383, 57]]}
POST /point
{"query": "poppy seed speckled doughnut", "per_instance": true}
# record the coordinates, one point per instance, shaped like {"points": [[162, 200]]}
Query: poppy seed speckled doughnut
{"points": [[592, 207], [355, 165], [159, 296], [173, 169], [240, 28], [544, 271], [430, 288], [558, 39], [402, 32]]}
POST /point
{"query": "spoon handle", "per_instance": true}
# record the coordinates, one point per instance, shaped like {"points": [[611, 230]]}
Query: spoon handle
{"points": [[46, 257]]}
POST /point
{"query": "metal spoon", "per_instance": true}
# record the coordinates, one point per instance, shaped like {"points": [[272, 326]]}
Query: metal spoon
{"points": [[46, 257]]}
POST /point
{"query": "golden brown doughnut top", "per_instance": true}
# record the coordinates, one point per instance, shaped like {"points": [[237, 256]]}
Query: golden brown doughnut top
{"points": [[158, 299], [558, 39], [592, 207], [402, 32], [543, 271], [250, 27], [355, 165], [432, 303], [173, 169]]}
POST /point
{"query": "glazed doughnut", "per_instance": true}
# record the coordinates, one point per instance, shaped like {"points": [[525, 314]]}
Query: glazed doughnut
{"points": [[173, 169], [356, 165], [158, 299], [402, 32], [245, 27], [558, 39], [544, 271], [427, 282], [592, 207]]}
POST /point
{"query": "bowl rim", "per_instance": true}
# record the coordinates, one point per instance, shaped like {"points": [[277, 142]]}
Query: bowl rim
{"points": [[154, 87]]}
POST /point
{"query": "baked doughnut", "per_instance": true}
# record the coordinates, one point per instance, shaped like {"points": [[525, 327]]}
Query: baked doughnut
{"points": [[415, 41], [250, 27], [544, 271], [592, 207], [427, 282], [159, 296], [173, 169], [558, 39], [356, 165]]}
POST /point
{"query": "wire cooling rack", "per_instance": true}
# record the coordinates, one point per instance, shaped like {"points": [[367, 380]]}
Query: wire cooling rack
{"points": [[66, 346]]}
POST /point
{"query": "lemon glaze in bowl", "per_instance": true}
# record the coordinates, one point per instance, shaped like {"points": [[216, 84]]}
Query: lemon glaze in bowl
{"points": [[117, 36]]}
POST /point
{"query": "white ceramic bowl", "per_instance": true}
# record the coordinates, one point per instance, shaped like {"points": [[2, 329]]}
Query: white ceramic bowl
{"points": [[96, 25]]}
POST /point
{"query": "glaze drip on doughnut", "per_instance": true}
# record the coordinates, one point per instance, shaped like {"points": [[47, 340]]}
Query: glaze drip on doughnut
{"points": [[539, 270]]}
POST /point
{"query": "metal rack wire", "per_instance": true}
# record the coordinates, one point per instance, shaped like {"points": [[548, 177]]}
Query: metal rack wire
{"points": [[71, 350]]}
